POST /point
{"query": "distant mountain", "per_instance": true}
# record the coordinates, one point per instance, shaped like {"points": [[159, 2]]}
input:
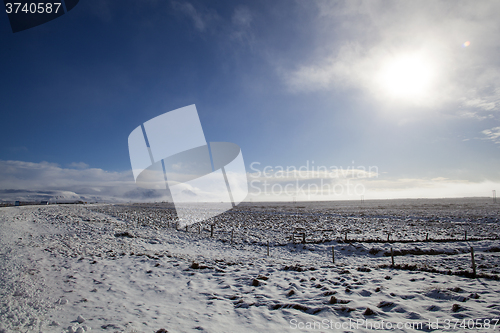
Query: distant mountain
{"points": [[82, 194]]}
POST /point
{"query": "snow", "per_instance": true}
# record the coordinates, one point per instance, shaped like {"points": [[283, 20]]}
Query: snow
{"points": [[125, 268]]}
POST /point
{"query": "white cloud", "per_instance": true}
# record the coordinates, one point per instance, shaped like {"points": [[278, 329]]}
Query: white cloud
{"points": [[242, 17], [48, 180], [94, 183], [327, 188], [492, 134], [485, 100], [355, 39], [79, 165], [428, 188], [231, 32], [202, 18], [347, 68], [350, 183], [29, 175], [475, 115], [43, 180], [240, 29]]}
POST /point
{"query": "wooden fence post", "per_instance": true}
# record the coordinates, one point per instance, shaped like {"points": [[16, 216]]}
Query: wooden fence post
{"points": [[304, 238], [268, 248], [427, 237], [211, 230], [186, 228], [392, 257], [232, 236], [473, 261], [465, 237], [333, 255]]}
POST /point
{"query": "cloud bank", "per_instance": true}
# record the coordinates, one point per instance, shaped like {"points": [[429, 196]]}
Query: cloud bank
{"points": [[42, 181], [29, 181]]}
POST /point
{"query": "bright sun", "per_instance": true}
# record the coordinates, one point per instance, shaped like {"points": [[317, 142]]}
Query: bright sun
{"points": [[406, 77]]}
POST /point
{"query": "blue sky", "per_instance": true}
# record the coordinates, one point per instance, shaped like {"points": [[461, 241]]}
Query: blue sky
{"points": [[411, 88]]}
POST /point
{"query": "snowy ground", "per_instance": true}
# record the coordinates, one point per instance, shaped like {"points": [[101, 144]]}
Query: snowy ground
{"points": [[122, 269]]}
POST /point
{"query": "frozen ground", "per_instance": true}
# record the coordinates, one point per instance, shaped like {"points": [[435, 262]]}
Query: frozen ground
{"points": [[122, 269]]}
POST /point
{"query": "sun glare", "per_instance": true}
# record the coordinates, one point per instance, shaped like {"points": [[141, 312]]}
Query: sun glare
{"points": [[406, 77]]}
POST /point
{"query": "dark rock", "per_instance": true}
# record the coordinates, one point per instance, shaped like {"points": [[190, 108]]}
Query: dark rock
{"points": [[124, 234], [368, 312]]}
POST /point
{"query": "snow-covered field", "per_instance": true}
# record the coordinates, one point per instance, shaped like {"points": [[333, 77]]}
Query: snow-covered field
{"points": [[126, 268]]}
